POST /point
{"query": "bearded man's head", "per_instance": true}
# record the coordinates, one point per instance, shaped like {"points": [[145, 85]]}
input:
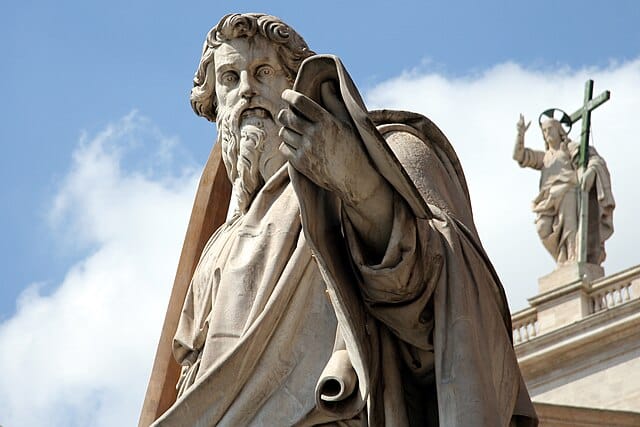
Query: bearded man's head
{"points": [[247, 61]]}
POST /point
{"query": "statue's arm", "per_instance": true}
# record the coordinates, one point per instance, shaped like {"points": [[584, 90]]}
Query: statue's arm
{"points": [[190, 336], [323, 145], [526, 157], [533, 159], [400, 275], [399, 286]]}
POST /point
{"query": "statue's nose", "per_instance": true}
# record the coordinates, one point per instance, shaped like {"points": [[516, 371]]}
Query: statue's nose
{"points": [[246, 86]]}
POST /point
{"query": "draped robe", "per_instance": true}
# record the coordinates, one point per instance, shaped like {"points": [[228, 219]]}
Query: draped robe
{"points": [[427, 329], [556, 206]]}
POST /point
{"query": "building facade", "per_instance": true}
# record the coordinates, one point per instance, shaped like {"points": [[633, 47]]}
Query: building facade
{"points": [[578, 345]]}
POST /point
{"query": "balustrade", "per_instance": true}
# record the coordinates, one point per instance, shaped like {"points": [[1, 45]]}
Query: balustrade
{"points": [[525, 327]]}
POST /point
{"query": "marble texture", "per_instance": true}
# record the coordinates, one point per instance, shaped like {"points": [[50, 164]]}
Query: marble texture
{"points": [[348, 284]]}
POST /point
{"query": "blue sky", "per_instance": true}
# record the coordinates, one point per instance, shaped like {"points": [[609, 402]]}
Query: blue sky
{"points": [[95, 106], [73, 66]]}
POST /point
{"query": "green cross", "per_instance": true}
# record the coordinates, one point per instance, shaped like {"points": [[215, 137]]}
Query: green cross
{"points": [[584, 113]]}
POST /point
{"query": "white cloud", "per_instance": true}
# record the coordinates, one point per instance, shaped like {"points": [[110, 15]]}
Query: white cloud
{"points": [[82, 356], [479, 113]]}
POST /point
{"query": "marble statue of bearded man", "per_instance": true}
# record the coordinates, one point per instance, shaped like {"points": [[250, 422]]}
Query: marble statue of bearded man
{"points": [[348, 285]]}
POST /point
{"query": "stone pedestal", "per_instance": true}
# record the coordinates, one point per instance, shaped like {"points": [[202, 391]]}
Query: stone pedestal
{"points": [[563, 297], [568, 274]]}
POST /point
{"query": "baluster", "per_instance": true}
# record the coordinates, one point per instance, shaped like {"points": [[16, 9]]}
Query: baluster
{"points": [[525, 330], [597, 301], [533, 329]]}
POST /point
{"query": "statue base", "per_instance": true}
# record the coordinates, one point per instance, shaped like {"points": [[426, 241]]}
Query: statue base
{"points": [[569, 273]]}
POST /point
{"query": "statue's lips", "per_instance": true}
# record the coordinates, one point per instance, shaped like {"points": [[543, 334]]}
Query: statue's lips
{"points": [[258, 112]]}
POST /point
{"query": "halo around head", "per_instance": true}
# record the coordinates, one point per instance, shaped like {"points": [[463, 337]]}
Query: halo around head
{"points": [[558, 115]]}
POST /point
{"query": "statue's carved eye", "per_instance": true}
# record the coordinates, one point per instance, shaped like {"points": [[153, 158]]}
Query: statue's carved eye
{"points": [[265, 71], [229, 77]]}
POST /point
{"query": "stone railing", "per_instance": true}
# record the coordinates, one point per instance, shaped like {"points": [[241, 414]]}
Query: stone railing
{"points": [[576, 301], [525, 325], [614, 290]]}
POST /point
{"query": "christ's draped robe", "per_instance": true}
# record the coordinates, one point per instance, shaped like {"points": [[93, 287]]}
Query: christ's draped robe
{"points": [[556, 206]]}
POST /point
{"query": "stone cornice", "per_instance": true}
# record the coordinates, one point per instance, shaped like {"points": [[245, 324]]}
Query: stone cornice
{"points": [[571, 416], [591, 335], [617, 277], [558, 293]]}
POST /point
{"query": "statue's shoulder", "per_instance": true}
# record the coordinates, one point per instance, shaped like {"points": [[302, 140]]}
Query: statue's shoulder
{"points": [[573, 147], [415, 127], [574, 150], [429, 159]]}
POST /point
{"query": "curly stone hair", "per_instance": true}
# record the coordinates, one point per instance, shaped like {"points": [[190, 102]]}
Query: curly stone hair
{"points": [[289, 45]]}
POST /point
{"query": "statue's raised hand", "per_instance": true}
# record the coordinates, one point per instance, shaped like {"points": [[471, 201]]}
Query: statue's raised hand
{"points": [[323, 145], [521, 126], [518, 151]]}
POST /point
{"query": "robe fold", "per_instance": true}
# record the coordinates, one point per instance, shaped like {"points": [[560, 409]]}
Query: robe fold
{"points": [[426, 330], [435, 298]]}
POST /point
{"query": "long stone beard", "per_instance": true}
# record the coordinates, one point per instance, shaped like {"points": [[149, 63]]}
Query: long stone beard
{"points": [[242, 155]]}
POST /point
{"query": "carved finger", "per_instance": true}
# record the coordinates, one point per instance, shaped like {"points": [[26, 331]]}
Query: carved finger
{"points": [[288, 152], [305, 106], [293, 121], [291, 138]]}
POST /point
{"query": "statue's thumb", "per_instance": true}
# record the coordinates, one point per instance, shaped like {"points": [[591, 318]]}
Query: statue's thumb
{"points": [[332, 101]]}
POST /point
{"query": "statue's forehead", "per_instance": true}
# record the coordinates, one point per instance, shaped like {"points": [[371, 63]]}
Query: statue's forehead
{"points": [[242, 51]]}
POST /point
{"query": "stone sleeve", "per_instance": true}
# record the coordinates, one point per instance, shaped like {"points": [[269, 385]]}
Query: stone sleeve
{"points": [[398, 290], [532, 159], [398, 276]]}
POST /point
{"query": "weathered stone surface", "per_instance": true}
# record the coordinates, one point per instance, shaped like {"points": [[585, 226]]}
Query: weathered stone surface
{"points": [[348, 283]]}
